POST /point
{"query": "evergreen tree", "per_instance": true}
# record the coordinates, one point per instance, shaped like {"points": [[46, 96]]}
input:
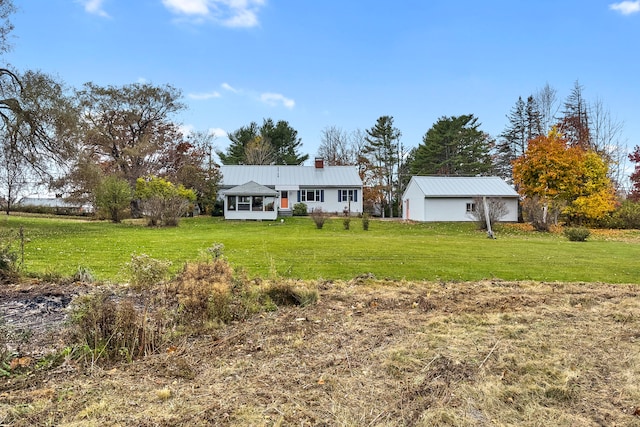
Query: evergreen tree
{"points": [[574, 123], [284, 141], [381, 149], [280, 136], [240, 138], [524, 125], [454, 146]]}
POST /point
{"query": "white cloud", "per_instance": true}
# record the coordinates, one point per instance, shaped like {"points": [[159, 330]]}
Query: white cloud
{"points": [[218, 132], [187, 7], [275, 99], [190, 129], [626, 7], [94, 7], [230, 13], [204, 96], [227, 86]]}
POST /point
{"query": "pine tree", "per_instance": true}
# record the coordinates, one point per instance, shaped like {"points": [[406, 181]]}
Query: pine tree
{"points": [[381, 149], [454, 146], [574, 123], [282, 138]]}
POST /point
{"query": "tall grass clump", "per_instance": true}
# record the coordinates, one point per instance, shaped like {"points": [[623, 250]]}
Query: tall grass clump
{"points": [[111, 328], [203, 292]]}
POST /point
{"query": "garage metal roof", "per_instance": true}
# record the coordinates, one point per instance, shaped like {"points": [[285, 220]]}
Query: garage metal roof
{"points": [[457, 186]]}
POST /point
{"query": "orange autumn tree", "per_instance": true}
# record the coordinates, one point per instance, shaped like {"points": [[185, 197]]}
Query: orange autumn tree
{"points": [[564, 179]]}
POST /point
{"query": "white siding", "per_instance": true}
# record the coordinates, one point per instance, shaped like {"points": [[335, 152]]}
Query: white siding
{"points": [[455, 209], [414, 197], [331, 203], [251, 215]]}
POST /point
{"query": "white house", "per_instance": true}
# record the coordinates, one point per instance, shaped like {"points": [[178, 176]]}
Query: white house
{"points": [[269, 191], [438, 198]]}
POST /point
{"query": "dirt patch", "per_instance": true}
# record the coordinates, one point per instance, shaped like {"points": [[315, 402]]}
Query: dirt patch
{"points": [[368, 353]]}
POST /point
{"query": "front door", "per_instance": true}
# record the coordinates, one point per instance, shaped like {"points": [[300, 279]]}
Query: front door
{"points": [[284, 200]]}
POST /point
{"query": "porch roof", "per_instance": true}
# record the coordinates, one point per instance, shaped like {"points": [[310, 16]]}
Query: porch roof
{"points": [[251, 188]]}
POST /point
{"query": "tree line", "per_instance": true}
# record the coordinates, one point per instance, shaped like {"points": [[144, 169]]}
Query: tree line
{"points": [[120, 147], [565, 159]]}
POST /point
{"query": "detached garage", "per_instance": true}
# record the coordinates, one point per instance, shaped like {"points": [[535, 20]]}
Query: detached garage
{"points": [[439, 198]]}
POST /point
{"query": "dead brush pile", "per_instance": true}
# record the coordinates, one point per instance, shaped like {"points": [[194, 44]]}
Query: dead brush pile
{"points": [[117, 325]]}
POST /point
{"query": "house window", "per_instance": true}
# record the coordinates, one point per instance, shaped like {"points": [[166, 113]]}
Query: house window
{"points": [[269, 204], [256, 204], [231, 203], [244, 203], [312, 195], [471, 207], [347, 195]]}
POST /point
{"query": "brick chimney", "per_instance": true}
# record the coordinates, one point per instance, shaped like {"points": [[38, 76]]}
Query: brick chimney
{"points": [[319, 163]]}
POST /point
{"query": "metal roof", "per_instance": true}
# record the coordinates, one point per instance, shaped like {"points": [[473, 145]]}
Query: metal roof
{"points": [[47, 202], [457, 186], [251, 188], [281, 176]]}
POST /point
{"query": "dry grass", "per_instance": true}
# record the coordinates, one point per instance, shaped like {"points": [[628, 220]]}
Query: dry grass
{"points": [[375, 353]]}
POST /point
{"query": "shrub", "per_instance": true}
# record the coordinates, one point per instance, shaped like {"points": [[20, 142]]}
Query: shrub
{"points": [[319, 217], [577, 234], [204, 291], [9, 255], [113, 197], [346, 223], [365, 221], [300, 209], [627, 216], [145, 272], [162, 202]]}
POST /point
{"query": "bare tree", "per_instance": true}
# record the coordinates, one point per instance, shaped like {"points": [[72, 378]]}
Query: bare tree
{"points": [[547, 101], [6, 9], [606, 139], [496, 209], [12, 173], [335, 147], [259, 151]]}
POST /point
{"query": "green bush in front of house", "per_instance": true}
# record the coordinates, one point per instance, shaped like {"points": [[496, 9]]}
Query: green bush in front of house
{"points": [[300, 209]]}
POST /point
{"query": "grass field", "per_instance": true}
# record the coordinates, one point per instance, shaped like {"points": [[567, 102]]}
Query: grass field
{"points": [[296, 249]]}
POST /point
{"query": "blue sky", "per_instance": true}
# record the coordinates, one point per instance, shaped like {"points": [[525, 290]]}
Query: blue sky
{"points": [[341, 63]]}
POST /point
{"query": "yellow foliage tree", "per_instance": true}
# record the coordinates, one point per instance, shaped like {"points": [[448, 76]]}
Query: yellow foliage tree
{"points": [[564, 177]]}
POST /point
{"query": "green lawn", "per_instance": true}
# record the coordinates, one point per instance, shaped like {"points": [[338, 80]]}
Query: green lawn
{"points": [[296, 249]]}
